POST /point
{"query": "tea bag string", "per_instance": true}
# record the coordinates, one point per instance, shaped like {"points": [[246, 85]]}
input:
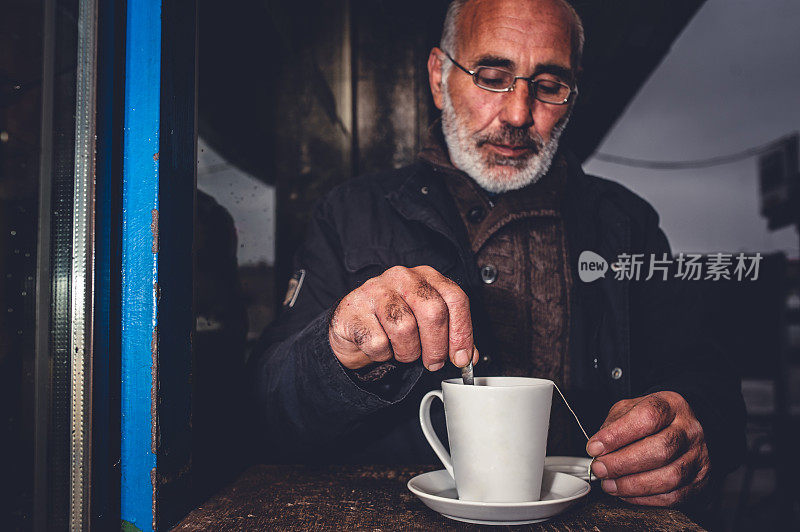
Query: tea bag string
{"points": [[579, 425], [571, 411]]}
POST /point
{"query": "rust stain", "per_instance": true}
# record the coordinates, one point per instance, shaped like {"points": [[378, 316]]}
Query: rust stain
{"points": [[154, 229], [155, 156], [153, 483]]}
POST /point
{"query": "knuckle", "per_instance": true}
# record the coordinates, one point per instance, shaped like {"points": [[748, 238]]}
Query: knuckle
{"points": [[370, 285], [364, 296], [613, 466], [695, 430], [672, 444], [425, 291], [450, 285], [649, 419], [377, 345], [424, 269], [461, 339], [703, 473], [620, 433], [699, 464], [396, 271], [663, 453], [623, 404], [674, 474], [337, 312], [359, 333], [336, 325], [437, 356], [672, 498], [457, 299], [617, 410], [435, 314], [660, 406], [406, 327], [397, 314], [456, 292], [630, 485]]}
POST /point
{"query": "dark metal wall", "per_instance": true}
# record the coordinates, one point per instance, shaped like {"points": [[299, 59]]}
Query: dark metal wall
{"points": [[20, 100], [306, 95]]}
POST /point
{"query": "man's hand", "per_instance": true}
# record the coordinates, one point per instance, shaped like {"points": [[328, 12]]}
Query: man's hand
{"points": [[405, 314], [651, 450]]}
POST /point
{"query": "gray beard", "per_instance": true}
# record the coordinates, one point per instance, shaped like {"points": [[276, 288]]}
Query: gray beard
{"points": [[495, 173]]}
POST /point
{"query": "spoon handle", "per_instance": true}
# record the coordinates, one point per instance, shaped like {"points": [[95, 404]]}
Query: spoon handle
{"points": [[467, 375]]}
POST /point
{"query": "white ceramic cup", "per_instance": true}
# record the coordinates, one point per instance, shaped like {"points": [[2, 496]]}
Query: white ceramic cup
{"points": [[498, 436]]}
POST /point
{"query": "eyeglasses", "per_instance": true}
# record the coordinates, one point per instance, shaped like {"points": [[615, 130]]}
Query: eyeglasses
{"points": [[500, 80]]}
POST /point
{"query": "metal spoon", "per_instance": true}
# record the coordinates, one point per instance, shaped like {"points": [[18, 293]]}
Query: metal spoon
{"points": [[467, 375]]}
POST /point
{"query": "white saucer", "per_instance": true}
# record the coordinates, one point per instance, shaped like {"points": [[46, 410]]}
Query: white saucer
{"points": [[577, 466], [437, 490]]}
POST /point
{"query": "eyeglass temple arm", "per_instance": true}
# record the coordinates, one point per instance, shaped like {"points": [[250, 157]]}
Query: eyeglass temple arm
{"points": [[470, 72]]}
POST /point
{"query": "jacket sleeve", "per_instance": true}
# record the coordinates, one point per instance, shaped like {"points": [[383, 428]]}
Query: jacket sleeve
{"points": [[671, 349], [304, 398]]}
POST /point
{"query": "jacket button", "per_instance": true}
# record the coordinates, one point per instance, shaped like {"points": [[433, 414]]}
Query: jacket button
{"points": [[486, 359], [476, 214], [616, 373], [424, 190], [488, 274]]}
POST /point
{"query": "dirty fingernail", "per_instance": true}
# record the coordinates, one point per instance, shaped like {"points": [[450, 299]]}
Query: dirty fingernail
{"points": [[462, 358], [595, 448], [599, 470], [436, 367], [609, 486]]}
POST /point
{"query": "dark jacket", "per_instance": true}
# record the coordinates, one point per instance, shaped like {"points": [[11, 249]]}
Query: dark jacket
{"points": [[627, 338]]}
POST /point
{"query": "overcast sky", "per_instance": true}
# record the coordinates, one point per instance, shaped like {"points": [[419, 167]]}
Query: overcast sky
{"points": [[730, 82], [248, 200]]}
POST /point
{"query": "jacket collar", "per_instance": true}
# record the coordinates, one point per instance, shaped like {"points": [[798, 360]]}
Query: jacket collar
{"points": [[423, 195]]}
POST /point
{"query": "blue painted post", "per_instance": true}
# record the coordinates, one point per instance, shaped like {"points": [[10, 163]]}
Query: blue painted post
{"points": [[140, 263]]}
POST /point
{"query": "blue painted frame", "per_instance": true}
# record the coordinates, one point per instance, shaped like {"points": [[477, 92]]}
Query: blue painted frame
{"points": [[140, 188]]}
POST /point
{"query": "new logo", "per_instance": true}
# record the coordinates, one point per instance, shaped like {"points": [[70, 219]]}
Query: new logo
{"points": [[591, 266]]}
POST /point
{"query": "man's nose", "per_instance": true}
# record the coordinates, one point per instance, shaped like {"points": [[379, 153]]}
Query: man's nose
{"points": [[518, 105]]}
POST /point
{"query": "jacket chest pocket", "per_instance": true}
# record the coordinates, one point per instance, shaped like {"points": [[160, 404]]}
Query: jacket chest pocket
{"points": [[363, 264]]}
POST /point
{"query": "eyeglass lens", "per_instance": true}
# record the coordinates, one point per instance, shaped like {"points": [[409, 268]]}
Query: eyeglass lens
{"points": [[495, 79]]}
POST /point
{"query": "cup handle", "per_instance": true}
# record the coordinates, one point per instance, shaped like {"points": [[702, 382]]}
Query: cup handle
{"points": [[430, 434]]}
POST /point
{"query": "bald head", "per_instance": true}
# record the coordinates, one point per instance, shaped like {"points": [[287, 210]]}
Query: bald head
{"points": [[465, 15]]}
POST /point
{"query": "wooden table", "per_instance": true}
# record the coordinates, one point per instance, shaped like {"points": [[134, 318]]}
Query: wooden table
{"points": [[375, 498]]}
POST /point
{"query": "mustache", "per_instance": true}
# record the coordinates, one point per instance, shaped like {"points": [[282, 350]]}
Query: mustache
{"points": [[513, 136]]}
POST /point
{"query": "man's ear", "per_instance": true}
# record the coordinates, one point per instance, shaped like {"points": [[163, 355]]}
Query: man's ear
{"points": [[435, 76]]}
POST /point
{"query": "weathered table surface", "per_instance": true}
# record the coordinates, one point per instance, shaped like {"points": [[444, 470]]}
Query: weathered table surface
{"points": [[269, 497]]}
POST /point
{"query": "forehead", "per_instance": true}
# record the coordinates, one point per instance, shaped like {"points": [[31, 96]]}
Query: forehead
{"points": [[527, 32]]}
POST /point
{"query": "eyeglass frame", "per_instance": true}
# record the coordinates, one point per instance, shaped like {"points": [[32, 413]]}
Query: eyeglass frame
{"points": [[510, 88]]}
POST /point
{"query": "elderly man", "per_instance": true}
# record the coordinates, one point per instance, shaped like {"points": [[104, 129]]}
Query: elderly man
{"points": [[407, 274]]}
